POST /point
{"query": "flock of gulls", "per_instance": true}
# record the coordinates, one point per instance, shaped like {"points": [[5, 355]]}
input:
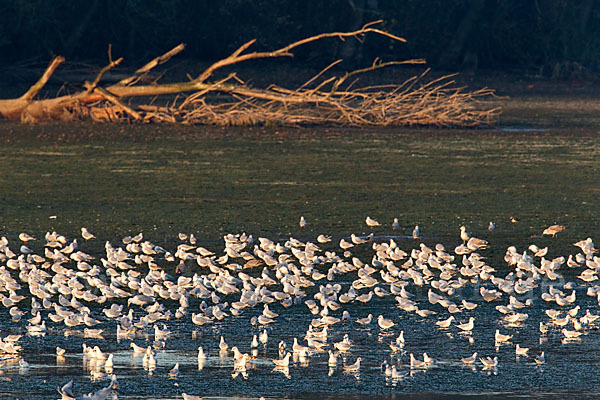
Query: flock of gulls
{"points": [[136, 289]]}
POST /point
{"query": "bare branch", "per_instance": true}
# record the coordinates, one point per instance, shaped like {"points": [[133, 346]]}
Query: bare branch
{"points": [[91, 86], [157, 61], [34, 90], [134, 114]]}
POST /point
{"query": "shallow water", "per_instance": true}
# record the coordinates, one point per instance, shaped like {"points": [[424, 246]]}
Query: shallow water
{"points": [[261, 186]]}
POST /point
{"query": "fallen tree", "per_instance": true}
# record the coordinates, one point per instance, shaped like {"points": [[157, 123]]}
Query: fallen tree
{"points": [[328, 100]]}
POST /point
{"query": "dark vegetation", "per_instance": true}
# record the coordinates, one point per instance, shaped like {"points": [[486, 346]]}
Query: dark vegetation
{"points": [[555, 38]]}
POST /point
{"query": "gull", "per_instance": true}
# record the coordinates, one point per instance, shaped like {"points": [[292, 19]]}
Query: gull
{"points": [[553, 230], [521, 351], [541, 252], [400, 339], [108, 365], [60, 352], [191, 397], [297, 348], [98, 354], [149, 357], [264, 320], [332, 362], [416, 233], [571, 334], [25, 237], [174, 371], [384, 323], [591, 318], [281, 348], [239, 363], [283, 362], [222, 345], [371, 222], [263, 337], [161, 333], [353, 367], [254, 343], [365, 298], [540, 359], [414, 363], [395, 224], [86, 234], [356, 240], [398, 344], [344, 245], [136, 348], [365, 321], [66, 391], [500, 338], [475, 244], [514, 220], [323, 238], [489, 362], [302, 222], [396, 375], [445, 323], [491, 226], [573, 311], [468, 326], [464, 236], [344, 345], [201, 355], [554, 314], [200, 319], [428, 360], [469, 360], [468, 305], [23, 364]]}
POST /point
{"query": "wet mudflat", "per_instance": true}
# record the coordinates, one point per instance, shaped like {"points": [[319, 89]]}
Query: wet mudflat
{"points": [[212, 183]]}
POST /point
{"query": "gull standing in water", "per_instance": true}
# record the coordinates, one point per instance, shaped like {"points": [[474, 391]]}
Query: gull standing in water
{"points": [[353, 367], [521, 351], [365, 321], [540, 359], [384, 323], [445, 323], [332, 362], [489, 362], [282, 363], [174, 371], [468, 326], [501, 338], [416, 233], [414, 363], [469, 360]]}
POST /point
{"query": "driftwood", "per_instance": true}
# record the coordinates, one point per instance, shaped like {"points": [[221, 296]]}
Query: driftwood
{"points": [[332, 100]]}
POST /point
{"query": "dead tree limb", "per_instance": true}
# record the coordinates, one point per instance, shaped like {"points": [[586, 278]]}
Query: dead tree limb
{"points": [[323, 99]]}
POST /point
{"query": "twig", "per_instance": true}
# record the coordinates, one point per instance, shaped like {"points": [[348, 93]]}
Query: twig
{"points": [[113, 99]]}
